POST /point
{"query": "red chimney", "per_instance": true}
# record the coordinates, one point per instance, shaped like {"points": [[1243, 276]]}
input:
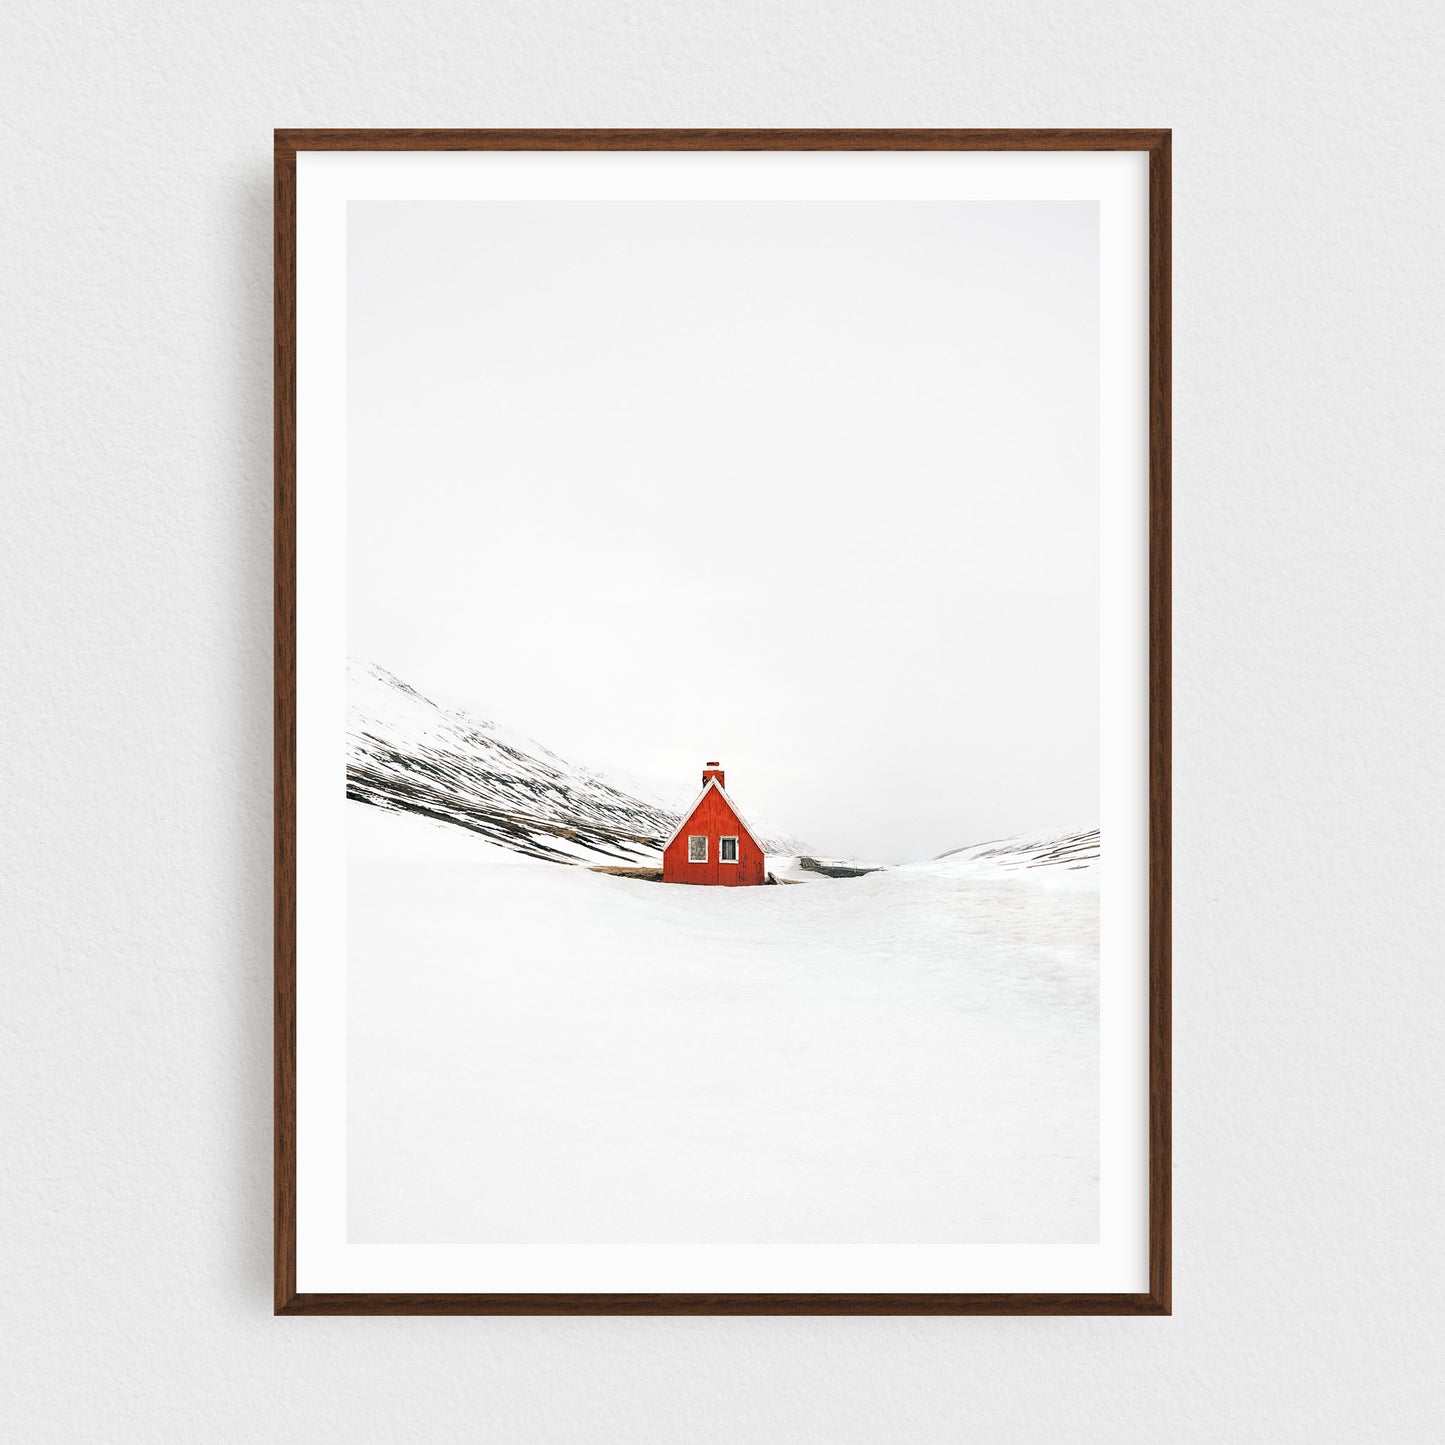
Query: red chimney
{"points": [[713, 770]]}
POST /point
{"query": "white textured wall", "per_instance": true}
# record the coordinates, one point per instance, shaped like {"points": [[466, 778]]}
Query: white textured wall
{"points": [[135, 658]]}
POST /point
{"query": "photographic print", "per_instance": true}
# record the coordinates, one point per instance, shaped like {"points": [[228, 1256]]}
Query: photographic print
{"points": [[721, 838]]}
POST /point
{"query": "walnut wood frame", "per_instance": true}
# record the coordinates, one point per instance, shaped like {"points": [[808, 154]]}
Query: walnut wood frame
{"points": [[1157, 1299]]}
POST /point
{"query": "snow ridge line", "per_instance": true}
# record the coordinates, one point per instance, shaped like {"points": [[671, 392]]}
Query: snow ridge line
{"points": [[1066, 850]]}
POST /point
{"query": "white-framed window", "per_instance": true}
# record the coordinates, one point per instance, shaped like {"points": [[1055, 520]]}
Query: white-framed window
{"points": [[697, 847], [727, 850]]}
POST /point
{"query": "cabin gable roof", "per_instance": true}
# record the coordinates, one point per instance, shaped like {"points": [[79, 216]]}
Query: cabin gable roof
{"points": [[696, 803]]}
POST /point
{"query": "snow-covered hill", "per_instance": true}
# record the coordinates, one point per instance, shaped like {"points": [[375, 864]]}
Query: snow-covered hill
{"points": [[1075, 850], [909, 1056], [408, 754], [895, 1054]]}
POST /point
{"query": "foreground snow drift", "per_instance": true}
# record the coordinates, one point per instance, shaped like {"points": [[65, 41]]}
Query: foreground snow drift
{"points": [[542, 1053]]}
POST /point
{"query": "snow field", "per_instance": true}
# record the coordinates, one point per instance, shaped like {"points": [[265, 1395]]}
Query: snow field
{"points": [[541, 1053]]}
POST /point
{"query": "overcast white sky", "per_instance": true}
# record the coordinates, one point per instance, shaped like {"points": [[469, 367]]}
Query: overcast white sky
{"points": [[811, 488]]}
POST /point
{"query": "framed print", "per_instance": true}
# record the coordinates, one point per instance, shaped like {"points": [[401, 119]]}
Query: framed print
{"points": [[722, 722]]}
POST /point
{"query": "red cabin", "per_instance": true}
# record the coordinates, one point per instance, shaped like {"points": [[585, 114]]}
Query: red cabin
{"points": [[712, 844]]}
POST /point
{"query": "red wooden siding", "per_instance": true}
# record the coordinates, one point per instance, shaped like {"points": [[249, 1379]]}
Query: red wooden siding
{"points": [[714, 817]]}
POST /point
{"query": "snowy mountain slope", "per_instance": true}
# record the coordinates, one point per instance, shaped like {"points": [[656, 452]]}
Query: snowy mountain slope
{"points": [[1075, 850], [406, 753]]}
